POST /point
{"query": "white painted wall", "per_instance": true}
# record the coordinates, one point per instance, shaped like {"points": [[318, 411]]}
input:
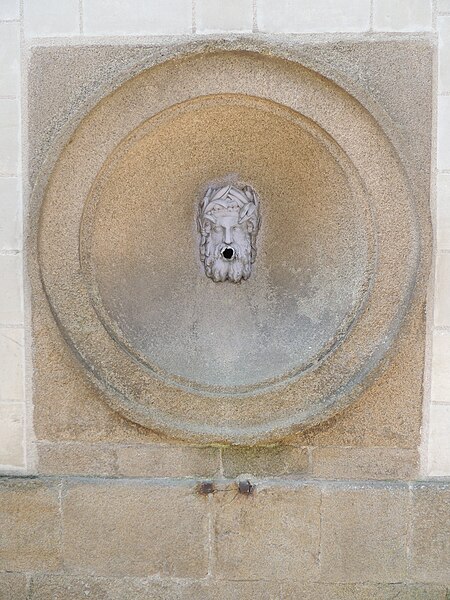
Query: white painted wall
{"points": [[28, 21]]}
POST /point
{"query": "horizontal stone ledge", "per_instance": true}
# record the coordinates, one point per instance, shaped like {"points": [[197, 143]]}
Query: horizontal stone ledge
{"points": [[49, 587], [438, 483], [329, 532]]}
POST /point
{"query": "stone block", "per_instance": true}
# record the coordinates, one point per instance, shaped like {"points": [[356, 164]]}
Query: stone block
{"points": [[440, 367], [126, 529], [9, 10], [365, 463], [348, 591], [442, 289], [430, 549], [65, 587], [260, 461], [49, 18], [11, 364], [443, 24], [443, 211], [402, 15], [10, 214], [30, 526], [439, 440], [443, 146], [13, 586], [131, 17], [9, 58], [11, 435], [364, 534], [271, 534], [215, 15], [11, 309], [167, 461], [76, 458], [9, 140], [313, 16], [443, 6]]}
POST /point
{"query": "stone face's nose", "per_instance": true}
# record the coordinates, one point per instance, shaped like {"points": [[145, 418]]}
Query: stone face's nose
{"points": [[228, 253]]}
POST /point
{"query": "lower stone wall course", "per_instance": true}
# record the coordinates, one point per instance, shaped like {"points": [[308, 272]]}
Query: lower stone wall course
{"points": [[430, 552], [136, 538], [365, 533], [134, 528], [273, 534], [44, 587], [13, 586], [30, 537]]}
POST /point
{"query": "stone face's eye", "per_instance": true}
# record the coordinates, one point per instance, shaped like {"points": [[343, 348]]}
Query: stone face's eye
{"points": [[217, 228]]}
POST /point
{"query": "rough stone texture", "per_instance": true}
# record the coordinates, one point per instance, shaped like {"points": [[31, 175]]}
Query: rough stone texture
{"points": [[76, 459], [334, 591], [272, 534], [13, 586], [430, 550], [365, 463], [160, 530], [272, 461], [29, 525], [167, 461], [79, 588], [373, 420], [364, 534], [132, 539]]}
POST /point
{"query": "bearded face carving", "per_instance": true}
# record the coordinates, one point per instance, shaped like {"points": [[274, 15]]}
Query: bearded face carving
{"points": [[228, 221]]}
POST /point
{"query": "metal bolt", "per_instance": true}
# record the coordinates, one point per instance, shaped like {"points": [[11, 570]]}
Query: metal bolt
{"points": [[245, 487], [206, 487]]}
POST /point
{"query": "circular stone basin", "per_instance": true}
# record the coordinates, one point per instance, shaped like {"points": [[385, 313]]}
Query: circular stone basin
{"points": [[337, 251], [141, 247]]}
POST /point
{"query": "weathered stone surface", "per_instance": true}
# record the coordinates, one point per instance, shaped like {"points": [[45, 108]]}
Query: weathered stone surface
{"points": [[29, 526], [272, 534], [364, 533], [135, 528], [76, 458], [359, 62], [101, 588], [13, 586], [348, 591], [430, 551], [260, 461], [57, 587], [167, 461], [365, 463]]}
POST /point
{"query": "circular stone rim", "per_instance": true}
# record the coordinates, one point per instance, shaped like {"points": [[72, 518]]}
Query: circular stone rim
{"points": [[152, 417]]}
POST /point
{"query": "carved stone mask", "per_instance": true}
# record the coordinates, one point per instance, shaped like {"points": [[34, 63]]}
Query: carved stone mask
{"points": [[228, 221]]}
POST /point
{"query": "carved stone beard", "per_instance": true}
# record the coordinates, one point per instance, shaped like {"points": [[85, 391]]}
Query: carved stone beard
{"points": [[220, 269]]}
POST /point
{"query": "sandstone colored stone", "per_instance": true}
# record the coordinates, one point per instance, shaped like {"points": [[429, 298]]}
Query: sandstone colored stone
{"points": [[167, 461], [430, 549], [364, 533], [13, 586], [29, 526], [365, 463], [101, 588], [76, 458], [371, 423], [349, 591], [260, 461], [122, 528], [272, 534]]}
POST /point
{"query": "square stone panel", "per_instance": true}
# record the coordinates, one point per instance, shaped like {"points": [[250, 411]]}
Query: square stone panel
{"points": [[388, 413]]}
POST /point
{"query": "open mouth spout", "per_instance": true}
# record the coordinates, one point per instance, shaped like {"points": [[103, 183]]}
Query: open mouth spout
{"points": [[228, 253]]}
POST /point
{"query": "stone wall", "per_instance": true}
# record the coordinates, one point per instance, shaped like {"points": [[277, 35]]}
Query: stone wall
{"points": [[358, 508], [123, 539]]}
